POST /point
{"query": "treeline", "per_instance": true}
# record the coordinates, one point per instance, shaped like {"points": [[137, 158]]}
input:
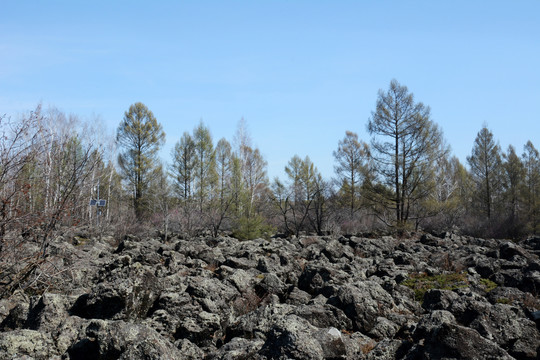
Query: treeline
{"points": [[402, 178], [49, 163]]}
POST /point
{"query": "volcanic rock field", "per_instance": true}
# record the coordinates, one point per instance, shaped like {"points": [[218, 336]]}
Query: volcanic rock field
{"points": [[425, 296]]}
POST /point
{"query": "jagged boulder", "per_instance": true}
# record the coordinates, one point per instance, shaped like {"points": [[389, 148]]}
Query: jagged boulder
{"points": [[439, 336], [121, 340], [294, 338], [363, 302], [309, 297]]}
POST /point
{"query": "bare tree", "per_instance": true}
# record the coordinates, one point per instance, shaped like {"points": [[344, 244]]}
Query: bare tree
{"points": [[405, 145], [219, 211], [42, 174], [296, 200]]}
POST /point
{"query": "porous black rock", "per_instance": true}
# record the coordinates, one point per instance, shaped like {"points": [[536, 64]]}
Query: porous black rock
{"points": [[307, 297]]}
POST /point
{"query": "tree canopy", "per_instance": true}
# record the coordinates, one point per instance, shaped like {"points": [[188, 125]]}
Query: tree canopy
{"points": [[405, 145], [139, 137]]}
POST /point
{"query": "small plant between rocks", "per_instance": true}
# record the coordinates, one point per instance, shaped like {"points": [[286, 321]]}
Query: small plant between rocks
{"points": [[487, 285], [422, 282]]}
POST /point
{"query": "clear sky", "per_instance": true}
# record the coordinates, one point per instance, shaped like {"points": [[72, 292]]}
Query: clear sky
{"points": [[301, 73]]}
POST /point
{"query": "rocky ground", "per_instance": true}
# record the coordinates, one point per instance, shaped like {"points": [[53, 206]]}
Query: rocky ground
{"points": [[425, 297]]}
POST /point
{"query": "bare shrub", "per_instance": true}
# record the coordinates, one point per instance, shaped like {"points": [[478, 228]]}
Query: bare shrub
{"points": [[247, 302]]}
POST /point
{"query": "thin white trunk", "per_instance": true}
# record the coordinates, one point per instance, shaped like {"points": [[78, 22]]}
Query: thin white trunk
{"points": [[109, 194]]}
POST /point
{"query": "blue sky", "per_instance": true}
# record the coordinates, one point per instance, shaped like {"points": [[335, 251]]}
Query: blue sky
{"points": [[301, 73]]}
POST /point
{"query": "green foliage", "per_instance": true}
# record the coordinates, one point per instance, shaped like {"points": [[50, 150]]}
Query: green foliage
{"points": [[352, 166], [421, 283], [140, 136], [205, 164], [487, 284], [531, 189], [253, 227], [486, 167], [302, 202], [513, 186], [183, 167], [405, 146]]}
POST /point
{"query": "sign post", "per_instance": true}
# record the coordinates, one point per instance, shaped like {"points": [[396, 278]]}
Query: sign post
{"points": [[98, 203]]}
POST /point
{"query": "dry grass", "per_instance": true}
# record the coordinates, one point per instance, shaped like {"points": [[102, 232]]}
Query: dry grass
{"points": [[247, 302], [212, 267], [368, 346]]}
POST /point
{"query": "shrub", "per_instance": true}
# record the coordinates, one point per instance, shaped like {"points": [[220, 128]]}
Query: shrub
{"points": [[487, 284], [254, 227], [421, 283]]}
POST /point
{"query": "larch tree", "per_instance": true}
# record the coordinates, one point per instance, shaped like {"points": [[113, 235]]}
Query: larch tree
{"points": [[513, 176], [139, 137], [205, 165], [405, 145], [223, 198], [183, 167], [223, 168], [319, 214], [351, 166], [485, 168], [304, 185], [161, 193], [531, 163]]}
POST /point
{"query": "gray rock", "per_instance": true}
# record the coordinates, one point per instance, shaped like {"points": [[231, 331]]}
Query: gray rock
{"points": [[16, 317], [257, 323], [462, 343], [507, 326], [324, 316], [236, 349], [123, 298], [307, 297], [436, 299], [204, 330], [23, 342], [292, 337], [383, 328], [432, 321], [358, 345], [442, 337], [320, 278], [387, 349], [363, 303], [298, 297], [70, 331], [189, 350], [48, 312], [272, 284], [120, 340], [332, 343]]}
